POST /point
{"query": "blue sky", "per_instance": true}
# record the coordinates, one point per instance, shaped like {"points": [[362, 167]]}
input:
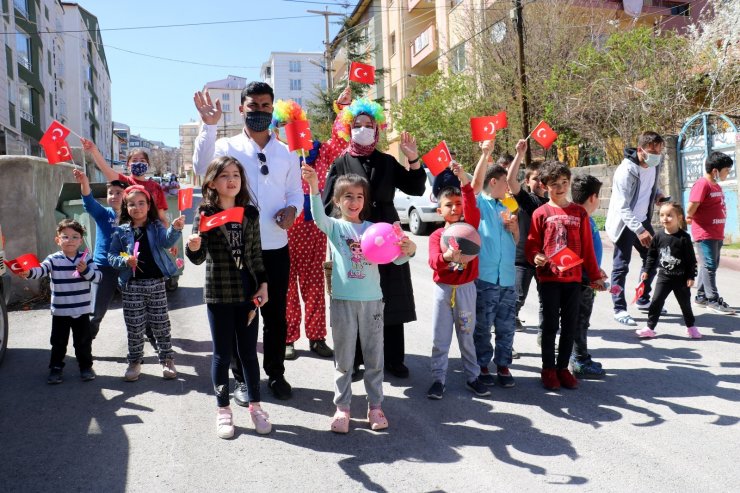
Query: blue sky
{"points": [[154, 96]]}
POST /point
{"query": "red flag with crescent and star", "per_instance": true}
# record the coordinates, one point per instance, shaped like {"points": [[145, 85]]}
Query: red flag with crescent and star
{"points": [[485, 127], [565, 259], [298, 134], [639, 292], [545, 135], [438, 158], [57, 151], [362, 73], [185, 198], [23, 263], [233, 215], [56, 132]]}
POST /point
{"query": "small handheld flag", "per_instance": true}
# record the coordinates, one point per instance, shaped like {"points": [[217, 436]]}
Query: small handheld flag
{"points": [[233, 215], [298, 134], [362, 73], [438, 158], [184, 199], [544, 135], [565, 259]]}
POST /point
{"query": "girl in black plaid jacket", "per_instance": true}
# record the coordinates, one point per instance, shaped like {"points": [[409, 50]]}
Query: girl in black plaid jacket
{"points": [[236, 283]]}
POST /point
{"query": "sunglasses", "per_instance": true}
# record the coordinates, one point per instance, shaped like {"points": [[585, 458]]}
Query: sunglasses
{"points": [[263, 159]]}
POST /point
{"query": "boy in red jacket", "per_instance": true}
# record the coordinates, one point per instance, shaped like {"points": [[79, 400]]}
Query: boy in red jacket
{"points": [[454, 290], [556, 226]]}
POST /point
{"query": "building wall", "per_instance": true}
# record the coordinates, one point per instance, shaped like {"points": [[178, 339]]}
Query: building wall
{"points": [[228, 91], [311, 78]]}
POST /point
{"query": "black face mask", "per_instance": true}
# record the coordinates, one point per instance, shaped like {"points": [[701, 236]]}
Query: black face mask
{"points": [[258, 121]]}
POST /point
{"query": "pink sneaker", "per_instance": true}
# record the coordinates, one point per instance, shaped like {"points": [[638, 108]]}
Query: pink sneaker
{"points": [[646, 333], [260, 419], [693, 332], [224, 423], [340, 422], [377, 419]]}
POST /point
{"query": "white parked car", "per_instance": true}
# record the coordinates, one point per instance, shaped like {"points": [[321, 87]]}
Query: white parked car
{"points": [[419, 212]]}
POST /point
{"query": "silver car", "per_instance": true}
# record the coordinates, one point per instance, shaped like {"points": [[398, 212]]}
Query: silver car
{"points": [[419, 212]]}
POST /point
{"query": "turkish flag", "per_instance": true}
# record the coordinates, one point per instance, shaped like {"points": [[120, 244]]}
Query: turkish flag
{"points": [[233, 215], [57, 150], [362, 73], [23, 263], [482, 128], [438, 158], [298, 134], [184, 198], [565, 259], [500, 120], [543, 134], [56, 132], [639, 292]]}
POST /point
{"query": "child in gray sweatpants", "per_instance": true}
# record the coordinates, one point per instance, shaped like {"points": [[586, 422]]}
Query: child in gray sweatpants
{"points": [[356, 297], [454, 290]]}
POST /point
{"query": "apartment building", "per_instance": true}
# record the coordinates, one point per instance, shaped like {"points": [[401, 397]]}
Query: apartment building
{"points": [[188, 132], [295, 75], [85, 79]]}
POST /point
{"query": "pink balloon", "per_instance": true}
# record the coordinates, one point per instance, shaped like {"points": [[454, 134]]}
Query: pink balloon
{"points": [[380, 243]]}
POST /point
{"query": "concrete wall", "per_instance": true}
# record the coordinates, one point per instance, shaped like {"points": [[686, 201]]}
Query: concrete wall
{"points": [[29, 189]]}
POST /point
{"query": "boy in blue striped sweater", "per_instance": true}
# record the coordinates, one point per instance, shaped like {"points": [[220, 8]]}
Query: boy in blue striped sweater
{"points": [[71, 276]]}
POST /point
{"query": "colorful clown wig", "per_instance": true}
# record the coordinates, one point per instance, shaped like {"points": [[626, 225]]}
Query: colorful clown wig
{"points": [[285, 112], [362, 106]]}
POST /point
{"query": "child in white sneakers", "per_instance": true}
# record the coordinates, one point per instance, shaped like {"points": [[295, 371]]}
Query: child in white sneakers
{"points": [[673, 253]]}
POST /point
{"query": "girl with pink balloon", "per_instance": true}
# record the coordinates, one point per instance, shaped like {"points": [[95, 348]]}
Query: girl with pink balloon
{"points": [[356, 308]]}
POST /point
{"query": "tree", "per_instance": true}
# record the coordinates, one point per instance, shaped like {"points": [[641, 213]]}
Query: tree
{"points": [[438, 108]]}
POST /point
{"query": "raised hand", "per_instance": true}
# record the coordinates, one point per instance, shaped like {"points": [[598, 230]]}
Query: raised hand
{"points": [[308, 173], [486, 147], [80, 177], [521, 146], [179, 223], [346, 97], [408, 146], [210, 113]]}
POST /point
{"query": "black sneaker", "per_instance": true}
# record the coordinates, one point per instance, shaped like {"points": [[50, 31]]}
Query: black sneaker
{"points": [[519, 326], [700, 301], [436, 390], [514, 354], [241, 397], [55, 376], [290, 353], [486, 377], [357, 374], [281, 389], [588, 369], [87, 374], [398, 370], [477, 387], [319, 347], [504, 377]]}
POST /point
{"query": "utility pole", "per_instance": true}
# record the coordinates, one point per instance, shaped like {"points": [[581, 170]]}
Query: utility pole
{"points": [[327, 50], [518, 19]]}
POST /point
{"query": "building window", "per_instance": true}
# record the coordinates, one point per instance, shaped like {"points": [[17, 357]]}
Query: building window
{"points": [[26, 103], [225, 96], [422, 41], [294, 66], [394, 93], [392, 43], [21, 6], [458, 58], [226, 107], [23, 49], [299, 101], [683, 9], [295, 84]]}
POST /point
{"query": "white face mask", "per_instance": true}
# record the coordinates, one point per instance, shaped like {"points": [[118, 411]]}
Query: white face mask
{"points": [[652, 160], [363, 135]]}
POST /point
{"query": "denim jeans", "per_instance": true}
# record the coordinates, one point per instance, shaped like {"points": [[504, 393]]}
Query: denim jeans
{"points": [[707, 255], [621, 266], [495, 306]]}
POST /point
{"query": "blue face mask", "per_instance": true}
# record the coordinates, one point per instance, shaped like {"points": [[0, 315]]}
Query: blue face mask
{"points": [[139, 168]]}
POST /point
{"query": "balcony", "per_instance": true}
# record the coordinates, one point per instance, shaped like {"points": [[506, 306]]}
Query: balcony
{"points": [[424, 45], [26, 116]]}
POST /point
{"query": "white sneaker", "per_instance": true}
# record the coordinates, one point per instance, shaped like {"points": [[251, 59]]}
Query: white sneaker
{"points": [[261, 420], [224, 422], [625, 318], [132, 372], [168, 369]]}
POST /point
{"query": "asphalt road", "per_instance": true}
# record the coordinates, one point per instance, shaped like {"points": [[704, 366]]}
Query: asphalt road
{"points": [[664, 419]]}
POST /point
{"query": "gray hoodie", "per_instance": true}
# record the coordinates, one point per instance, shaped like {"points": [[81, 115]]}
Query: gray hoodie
{"points": [[625, 191]]}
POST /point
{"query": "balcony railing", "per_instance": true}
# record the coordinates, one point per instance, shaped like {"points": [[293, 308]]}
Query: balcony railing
{"points": [[26, 116], [423, 45]]}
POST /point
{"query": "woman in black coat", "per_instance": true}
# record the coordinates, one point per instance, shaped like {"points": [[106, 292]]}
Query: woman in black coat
{"points": [[385, 174]]}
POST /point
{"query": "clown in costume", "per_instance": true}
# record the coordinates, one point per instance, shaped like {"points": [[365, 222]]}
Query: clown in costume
{"points": [[306, 244]]}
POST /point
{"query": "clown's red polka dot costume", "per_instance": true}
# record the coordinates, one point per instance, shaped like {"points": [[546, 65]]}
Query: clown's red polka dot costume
{"points": [[307, 246]]}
